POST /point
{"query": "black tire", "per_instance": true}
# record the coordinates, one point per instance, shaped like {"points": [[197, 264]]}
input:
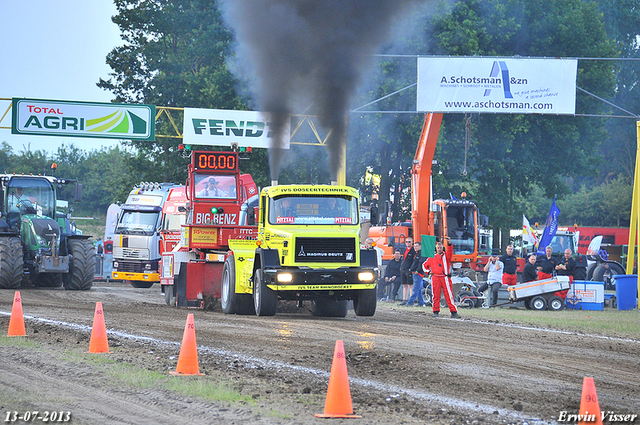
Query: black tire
{"points": [[11, 263], [538, 303], [364, 304], [48, 280], [465, 301], [141, 284], [478, 300], [527, 303], [556, 303], [615, 269], [329, 308], [82, 265], [230, 301], [590, 269], [265, 300], [427, 295], [228, 296]]}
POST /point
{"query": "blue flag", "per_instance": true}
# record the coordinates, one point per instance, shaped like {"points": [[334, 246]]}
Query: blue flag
{"points": [[550, 228]]}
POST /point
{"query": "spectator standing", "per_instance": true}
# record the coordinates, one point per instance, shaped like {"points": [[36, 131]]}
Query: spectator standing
{"points": [[369, 244], [546, 264], [530, 271], [440, 266], [417, 274], [510, 264], [567, 265], [495, 270], [391, 275], [405, 275]]}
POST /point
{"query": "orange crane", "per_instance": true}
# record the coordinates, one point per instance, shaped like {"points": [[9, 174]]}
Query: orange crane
{"points": [[455, 218]]}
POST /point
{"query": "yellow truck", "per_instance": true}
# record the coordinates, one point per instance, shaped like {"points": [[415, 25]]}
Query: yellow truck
{"points": [[307, 249]]}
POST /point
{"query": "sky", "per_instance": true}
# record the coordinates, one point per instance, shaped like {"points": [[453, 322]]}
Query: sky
{"points": [[55, 50]]}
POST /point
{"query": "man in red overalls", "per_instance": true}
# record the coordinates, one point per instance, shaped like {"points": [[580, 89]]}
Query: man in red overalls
{"points": [[439, 266]]}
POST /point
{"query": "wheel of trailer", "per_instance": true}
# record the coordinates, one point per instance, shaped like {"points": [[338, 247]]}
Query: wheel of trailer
{"points": [[527, 303], [465, 300], [329, 308], [48, 280], [11, 263], [538, 303], [479, 299], [364, 304], [81, 266], [141, 284], [265, 299], [556, 303]]}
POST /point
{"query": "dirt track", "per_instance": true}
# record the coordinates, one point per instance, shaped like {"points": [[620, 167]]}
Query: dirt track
{"points": [[404, 366]]}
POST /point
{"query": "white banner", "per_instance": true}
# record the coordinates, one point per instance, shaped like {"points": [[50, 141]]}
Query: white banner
{"points": [[497, 85], [220, 127]]}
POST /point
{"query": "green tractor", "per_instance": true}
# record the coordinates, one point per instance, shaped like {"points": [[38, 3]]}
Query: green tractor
{"points": [[38, 245]]}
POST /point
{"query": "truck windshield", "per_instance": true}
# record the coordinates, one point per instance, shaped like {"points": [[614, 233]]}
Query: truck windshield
{"points": [[461, 229], [137, 223], [313, 210], [173, 221]]}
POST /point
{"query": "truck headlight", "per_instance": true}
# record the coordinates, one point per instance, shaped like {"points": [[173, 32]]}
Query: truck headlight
{"points": [[115, 264], [284, 277], [365, 276]]}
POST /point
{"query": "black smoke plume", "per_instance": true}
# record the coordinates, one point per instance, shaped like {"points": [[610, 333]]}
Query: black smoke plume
{"points": [[310, 52]]}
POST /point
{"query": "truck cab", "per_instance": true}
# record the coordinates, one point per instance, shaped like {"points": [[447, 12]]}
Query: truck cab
{"points": [[307, 248], [136, 247]]}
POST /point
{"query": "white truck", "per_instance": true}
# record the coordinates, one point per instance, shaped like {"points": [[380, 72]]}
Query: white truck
{"points": [[136, 238]]}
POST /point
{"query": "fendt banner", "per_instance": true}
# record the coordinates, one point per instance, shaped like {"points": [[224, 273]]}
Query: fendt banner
{"points": [[220, 127], [83, 119], [497, 85]]}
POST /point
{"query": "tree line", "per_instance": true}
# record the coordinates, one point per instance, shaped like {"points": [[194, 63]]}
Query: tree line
{"points": [[182, 54]]}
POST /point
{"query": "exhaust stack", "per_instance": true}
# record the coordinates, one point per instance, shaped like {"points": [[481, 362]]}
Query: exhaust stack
{"points": [[274, 182]]}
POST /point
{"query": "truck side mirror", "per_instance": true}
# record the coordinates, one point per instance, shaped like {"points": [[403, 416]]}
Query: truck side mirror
{"points": [[78, 195]]}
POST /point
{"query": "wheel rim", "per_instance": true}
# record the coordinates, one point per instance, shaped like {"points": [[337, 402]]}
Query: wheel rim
{"points": [[538, 304], [556, 304]]}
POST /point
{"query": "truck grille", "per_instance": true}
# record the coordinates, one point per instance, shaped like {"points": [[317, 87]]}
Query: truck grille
{"points": [[131, 253], [325, 250]]}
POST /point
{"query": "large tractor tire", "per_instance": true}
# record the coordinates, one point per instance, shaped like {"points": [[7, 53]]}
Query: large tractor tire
{"points": [[364, 304], [265, 300], [11, 263], [82, 267]]}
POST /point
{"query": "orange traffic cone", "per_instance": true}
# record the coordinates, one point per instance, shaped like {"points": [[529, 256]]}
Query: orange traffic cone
{"points": [[338, 403], [188, 358], [98, 342], [589, 406], [16, 322]]}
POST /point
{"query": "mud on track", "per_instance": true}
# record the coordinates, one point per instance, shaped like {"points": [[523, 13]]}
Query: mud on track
{"points": [[404, 366]]}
